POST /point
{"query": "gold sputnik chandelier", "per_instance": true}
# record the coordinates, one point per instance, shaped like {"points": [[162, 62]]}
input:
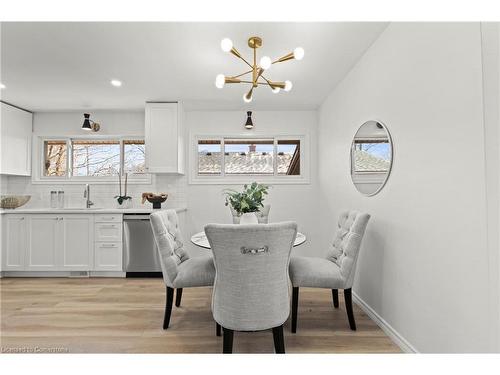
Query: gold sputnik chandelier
{"points": [[256, 70]]}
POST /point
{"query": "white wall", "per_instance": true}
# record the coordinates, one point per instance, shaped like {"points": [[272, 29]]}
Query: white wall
{"points": [[424, 261], [288, 202]]}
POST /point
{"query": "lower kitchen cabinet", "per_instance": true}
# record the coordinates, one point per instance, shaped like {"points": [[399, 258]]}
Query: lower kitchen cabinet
{"points": [[43, 243], [14, 242], [48, 242], [108, 256], [77, 242]]}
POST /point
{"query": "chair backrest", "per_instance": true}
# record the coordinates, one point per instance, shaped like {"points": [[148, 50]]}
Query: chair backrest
{"points": [[168, 240], [262, 215], [251, 274], [347, 242]]}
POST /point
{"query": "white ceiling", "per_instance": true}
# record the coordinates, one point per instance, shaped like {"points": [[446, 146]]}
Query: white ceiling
{"points": [[68, 66]]}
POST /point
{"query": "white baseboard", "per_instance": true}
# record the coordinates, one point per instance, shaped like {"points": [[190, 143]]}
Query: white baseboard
{"points": [[394, 335]]}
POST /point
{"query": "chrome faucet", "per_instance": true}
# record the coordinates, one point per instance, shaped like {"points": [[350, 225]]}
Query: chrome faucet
{"points": [[86, 194]]}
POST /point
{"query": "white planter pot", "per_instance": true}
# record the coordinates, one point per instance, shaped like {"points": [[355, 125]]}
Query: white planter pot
{"points": [[127, 203], [248, 218]]}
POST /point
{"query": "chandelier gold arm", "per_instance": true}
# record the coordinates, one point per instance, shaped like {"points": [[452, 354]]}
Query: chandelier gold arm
{"points": [[290, 56]]}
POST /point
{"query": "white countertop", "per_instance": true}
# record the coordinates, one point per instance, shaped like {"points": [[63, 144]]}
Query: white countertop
{"points": [[76, 210]]}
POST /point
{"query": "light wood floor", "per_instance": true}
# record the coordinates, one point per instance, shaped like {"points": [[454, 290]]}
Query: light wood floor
{"points": [[125, 316]]}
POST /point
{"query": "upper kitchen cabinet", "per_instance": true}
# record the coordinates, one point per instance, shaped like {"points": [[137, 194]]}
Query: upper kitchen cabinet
{"points": [[16, 126], [164, 139]]}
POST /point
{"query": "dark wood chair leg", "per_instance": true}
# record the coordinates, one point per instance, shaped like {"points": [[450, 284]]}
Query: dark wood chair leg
{"points": [[227, 343], [178, 297], [168, 307], [348, 307], [279, 340], [218, 329], [295, 305], [335, 296]]}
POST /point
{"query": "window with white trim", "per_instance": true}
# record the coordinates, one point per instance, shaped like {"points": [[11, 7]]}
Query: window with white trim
{"points": [[71, 159], [268, 158]]}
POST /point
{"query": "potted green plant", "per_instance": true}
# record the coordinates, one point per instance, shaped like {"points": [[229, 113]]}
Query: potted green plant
{"points": [[124, 201], [247, 202]]}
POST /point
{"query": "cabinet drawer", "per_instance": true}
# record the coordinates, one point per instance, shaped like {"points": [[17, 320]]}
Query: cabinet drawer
{"points": [[108, 218], [108, 256], [110, 232]]}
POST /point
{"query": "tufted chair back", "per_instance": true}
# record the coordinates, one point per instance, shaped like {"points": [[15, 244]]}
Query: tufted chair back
{"points": [[251, 274], [168, 240], [347, 242]]}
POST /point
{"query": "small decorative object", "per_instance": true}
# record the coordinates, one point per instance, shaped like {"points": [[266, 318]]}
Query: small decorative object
{"points": [[249, 123], [88, 124], [247, 202], [124, 201], [14, 201], [257, 69], [157, 200]]}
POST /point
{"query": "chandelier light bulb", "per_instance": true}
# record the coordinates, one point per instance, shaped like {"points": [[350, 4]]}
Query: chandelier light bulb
{"points": [[220, 80], [298, 53], [276, 90], [265, 62], [288, 86], [2, 86], [226, 44], [247, 98]]}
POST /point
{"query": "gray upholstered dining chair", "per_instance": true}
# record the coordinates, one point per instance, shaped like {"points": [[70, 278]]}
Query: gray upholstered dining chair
{"points": [[337, 270], [262, 215], [178, 269], [251, 281]]}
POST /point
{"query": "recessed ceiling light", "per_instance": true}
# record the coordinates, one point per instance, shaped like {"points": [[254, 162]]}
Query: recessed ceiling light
{"points": [[2, 86], [116, 83]]}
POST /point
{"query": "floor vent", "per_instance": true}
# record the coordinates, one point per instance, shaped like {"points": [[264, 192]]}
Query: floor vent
{"points": [[79, 274]]}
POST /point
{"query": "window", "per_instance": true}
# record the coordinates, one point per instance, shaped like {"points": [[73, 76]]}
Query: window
{"points": [[288, 157], [371, 155], [134, 155], [209, 157], [96, 159], [251, 156], [273, 157], [54, 158]]}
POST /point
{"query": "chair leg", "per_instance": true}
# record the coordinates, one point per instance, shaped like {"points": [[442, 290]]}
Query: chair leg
{"points": [[227, 343], [279, 340], [295, 304], [218, 329], [348, 307], [168, 307], [335, 296], [178, 297]]}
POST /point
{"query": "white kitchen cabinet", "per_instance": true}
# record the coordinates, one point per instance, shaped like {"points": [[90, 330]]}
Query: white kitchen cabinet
{"points": [[43, 243], [108, 249], [164, 138], [60, 242], [76, 236], [16, 126], [108, 256], [14, 242]]}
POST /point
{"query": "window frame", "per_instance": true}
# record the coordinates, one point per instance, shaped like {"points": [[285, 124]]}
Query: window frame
{"points": [[39, 177], [196, 179]]}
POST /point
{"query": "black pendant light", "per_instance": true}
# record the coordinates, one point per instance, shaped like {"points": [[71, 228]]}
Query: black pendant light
{"points": [[249, 123]]}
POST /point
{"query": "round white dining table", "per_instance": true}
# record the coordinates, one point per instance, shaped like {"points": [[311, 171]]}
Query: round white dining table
{"points": [[200, 239]]}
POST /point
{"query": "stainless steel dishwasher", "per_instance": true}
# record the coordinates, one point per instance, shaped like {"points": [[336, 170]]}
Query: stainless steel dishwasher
{"points": [[140, 256]]}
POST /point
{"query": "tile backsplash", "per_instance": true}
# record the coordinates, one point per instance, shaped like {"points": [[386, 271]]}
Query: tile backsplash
{"points": [[101, 194]]}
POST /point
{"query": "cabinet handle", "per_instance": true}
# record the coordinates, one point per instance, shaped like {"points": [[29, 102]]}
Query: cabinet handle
{"points": [[108, 226], [108, 245], [22, 218], [108, 218]]}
